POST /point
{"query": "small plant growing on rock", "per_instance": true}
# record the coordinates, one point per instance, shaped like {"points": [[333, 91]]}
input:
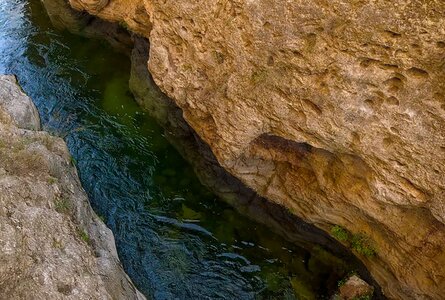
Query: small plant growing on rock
{"points": [[102, 218], [358, 242], [62, 205], [83, 236], [364, 297], [362, 245], [354, 288], [124, 25], [340, 233]]}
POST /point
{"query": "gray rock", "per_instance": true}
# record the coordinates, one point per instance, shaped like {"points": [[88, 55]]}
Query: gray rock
{"points": [[52, 244], [17, 104]]}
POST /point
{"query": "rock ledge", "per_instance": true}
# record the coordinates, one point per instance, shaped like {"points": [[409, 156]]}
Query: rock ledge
{"points": [[52, 244]]}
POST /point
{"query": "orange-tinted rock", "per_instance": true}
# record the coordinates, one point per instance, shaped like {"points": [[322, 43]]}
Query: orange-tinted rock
{"points": [[333, 109]]}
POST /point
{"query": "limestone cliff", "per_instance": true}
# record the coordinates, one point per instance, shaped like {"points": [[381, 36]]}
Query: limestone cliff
{"points": [[52, 245], [333, 109]]}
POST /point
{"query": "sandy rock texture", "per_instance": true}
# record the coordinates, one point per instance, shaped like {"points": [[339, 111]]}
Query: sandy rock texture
{"points": [[333, 109], [52, 245]]}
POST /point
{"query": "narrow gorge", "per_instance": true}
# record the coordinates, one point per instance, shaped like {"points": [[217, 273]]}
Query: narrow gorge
{"points": [[323, 122]]}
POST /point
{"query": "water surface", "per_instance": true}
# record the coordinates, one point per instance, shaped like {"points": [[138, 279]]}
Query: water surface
{"points": [[176, 240]]}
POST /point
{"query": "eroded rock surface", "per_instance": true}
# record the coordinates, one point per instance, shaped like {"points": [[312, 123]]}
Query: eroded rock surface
{"points": [[333, 109], [52, 245]]}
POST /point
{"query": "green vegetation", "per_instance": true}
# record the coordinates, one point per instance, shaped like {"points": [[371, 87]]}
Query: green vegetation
{"points": [[364, 297], [340, 233], [73, 161], [63, 205], [346, 278], [360, 243], [343, 281], [124, 25], [83, 235], [102, 218]]}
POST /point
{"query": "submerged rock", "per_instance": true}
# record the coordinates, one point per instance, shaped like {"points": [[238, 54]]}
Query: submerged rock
{"points": [[332, 109], [52, 244]]}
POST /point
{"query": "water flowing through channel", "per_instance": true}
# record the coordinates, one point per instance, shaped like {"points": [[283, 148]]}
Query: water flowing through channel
{"points": [[175, 239]]}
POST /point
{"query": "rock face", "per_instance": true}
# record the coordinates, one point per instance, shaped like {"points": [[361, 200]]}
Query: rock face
{"points": [[17, 104], [52, 245], [333, 109]]}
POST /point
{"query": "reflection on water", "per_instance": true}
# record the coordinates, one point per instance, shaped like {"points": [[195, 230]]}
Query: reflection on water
{"points": [[175, 239]]}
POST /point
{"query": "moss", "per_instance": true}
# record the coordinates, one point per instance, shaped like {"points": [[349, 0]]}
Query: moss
{"points": [[73, 161], [340, 233], [362, 244], [364, 297], [83, 235], [343, 281], [359, 242], [102, 218]]}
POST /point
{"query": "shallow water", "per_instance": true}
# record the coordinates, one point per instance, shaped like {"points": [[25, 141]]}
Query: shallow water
{"points": [[176, 240]]}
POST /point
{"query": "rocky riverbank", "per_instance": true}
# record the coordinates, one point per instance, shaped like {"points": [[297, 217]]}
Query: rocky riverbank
{"points": [[52, 244], [332, 110]]}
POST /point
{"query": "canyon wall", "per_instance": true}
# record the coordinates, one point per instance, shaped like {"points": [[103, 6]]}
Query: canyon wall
{"points": [[332, 109], [52, 244]]}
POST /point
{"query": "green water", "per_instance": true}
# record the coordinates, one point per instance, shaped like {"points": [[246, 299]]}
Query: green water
{"points": [[175, 238]]}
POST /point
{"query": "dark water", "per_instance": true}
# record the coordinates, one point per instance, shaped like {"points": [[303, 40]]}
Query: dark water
{"points": [[175, 238]]}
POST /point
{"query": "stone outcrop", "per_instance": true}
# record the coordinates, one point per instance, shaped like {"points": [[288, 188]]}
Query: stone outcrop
{"points": [[354, 288], [52, 244], [333, 109]]}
